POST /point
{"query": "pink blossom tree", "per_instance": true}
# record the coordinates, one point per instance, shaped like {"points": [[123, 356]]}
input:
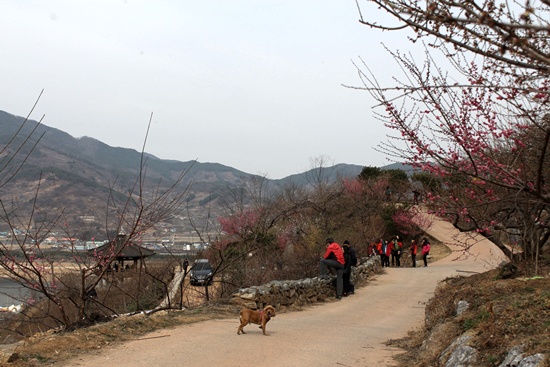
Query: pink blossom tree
{"points": [[487, 140]]}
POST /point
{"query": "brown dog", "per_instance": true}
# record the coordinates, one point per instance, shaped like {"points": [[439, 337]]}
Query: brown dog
{"points": [[256, 317]]}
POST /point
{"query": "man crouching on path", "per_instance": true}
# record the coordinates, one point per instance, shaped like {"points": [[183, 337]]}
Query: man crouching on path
{"points": [[334, 258]]}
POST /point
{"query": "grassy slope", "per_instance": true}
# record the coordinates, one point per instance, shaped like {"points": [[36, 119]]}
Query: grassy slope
{"points": [[502, 313]]}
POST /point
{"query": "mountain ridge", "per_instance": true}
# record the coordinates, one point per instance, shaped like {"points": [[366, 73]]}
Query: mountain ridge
{"points": [[78, 174], [82, 171]]}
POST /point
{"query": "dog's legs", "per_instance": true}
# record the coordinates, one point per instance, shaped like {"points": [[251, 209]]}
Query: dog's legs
{"points": [[240, 329], [241, 326]]}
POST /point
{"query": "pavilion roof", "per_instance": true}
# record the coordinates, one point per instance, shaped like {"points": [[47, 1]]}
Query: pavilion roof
{"points": [[123, 249]]}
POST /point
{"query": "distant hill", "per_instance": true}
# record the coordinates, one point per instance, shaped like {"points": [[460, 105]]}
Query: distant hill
{"points": [[78, 175], [329, 174], [84, 171], [404, 167]]}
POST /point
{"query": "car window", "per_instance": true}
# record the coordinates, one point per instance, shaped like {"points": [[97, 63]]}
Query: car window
{"points": [[202, 266]]}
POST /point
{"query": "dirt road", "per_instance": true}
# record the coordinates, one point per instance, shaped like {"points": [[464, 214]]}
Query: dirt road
{"points": [[350, 332]]}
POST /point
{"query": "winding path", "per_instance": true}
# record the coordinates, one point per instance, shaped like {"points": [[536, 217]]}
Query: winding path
{"points": [[350, 332]]}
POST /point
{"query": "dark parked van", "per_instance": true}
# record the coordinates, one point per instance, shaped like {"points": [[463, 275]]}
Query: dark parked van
{"points": [[201, 272]]}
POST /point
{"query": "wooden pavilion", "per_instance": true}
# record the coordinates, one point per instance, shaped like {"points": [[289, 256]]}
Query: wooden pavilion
{"points": [[122, 250]]}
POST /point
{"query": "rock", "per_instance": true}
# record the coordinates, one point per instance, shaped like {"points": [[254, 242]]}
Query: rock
{"points": [[536, 360], [461, 307], [251, 305], [459, 353], [462, 356], [507, 270], [248, 296], [14, 357], [515, 358]]}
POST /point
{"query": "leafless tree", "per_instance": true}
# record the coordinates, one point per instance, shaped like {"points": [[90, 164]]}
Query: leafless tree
{"points": [[512, 33], [64, 290], [16, 150]]}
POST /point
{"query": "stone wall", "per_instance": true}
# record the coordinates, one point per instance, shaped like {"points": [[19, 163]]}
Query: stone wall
{"points": [[297, 293]]}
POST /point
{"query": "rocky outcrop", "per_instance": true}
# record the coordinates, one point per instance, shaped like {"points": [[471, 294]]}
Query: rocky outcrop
{"points": [[461, 307], [298, 293], [462, 354], [459, 353], [516, 358], [462, 351]]}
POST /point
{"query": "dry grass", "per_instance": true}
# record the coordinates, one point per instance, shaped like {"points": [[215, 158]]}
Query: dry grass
{"points": [[502, 313], [50, 347]]}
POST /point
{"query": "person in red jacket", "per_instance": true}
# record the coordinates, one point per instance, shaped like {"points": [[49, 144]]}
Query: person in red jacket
{"points": [[425, 251], [334, 259], [389, 250], [378, 246], [379, 251], [414, 250]]}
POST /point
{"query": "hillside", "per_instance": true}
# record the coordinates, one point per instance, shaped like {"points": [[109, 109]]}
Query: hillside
{"points": [[79, 174]]}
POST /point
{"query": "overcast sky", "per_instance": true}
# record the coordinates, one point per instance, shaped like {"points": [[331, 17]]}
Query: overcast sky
{"points": [[255, 85]]}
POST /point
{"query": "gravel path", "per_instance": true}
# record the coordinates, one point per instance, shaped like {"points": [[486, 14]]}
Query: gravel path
{"points": [[350, 332]]}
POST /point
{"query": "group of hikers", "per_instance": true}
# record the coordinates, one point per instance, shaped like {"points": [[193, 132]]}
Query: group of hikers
{"points": [[342, 259], [394, 249]]}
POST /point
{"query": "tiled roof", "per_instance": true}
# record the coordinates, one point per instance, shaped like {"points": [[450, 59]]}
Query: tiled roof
{"points": [[123, 249]]}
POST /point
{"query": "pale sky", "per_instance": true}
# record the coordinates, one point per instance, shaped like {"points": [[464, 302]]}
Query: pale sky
{"points": [[255, 85]]}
